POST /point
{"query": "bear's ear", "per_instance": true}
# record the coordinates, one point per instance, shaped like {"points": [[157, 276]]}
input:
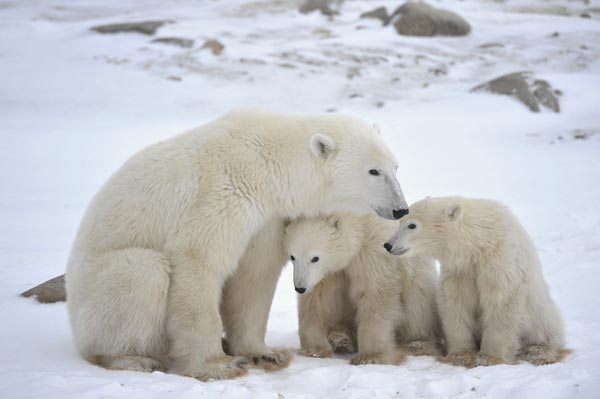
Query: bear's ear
{"points": [[377, 128], [321, 145], [453, 212]]}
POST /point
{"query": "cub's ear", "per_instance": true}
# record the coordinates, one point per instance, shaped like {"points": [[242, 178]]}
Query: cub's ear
{"points": [[334, 222], [321, 145], [453, 212], [377, 128]]}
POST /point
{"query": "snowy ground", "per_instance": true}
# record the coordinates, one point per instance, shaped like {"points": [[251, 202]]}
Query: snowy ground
{"points": [[75, 104]]}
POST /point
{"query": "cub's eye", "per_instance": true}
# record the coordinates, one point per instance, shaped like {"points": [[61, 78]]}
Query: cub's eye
{"points": [[374, 172], [315, 259], [292, 257], [412, 226]]}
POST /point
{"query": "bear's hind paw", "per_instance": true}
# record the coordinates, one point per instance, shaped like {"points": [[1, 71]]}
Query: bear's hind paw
{"points": [[277, 359]]}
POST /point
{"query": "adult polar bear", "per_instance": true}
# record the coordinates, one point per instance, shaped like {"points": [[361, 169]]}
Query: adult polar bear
{"points": [[163, 236]]}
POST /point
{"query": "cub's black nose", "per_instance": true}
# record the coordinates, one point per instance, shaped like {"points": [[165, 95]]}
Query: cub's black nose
{"points": [[398, 213], [300, 290], [387, 246]]}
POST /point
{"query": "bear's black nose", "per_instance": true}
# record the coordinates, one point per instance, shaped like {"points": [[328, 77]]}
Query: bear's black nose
{"points": [[300, 290], [398, 213], [387, 246]]}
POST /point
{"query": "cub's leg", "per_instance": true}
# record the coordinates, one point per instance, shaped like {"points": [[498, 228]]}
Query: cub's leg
{"points": [[117, 303], [422, 330], [318, 311], [248, 295], [502, 310], [376, 318], [342, 338], [457, 304]]}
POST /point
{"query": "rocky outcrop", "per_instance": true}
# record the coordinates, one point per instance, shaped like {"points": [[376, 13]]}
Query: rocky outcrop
{"points": [[144, 27], [421, 19], [50, 291]]}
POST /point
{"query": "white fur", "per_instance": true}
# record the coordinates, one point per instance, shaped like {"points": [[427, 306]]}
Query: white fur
{"points": [[202, 213], [353, 284], [492, 297]]}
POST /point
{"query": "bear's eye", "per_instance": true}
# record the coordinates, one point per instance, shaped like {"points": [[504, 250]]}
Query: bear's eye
{"points": [[412, 226], [292, 257], [315, 259], [374, 172]]}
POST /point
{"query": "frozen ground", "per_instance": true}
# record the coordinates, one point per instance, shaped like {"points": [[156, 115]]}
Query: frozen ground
{"points": [[75, 104]]}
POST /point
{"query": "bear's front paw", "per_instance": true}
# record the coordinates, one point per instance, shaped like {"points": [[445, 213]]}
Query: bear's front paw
{"points": [[316, 352], [486, 360], [276, 359], [341, 342], [461, 359], [393, 357], [220, 368], [423, 348]]}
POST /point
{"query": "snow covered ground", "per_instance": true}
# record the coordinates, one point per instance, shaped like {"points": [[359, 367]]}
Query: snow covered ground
{"points": [[75, 104]]}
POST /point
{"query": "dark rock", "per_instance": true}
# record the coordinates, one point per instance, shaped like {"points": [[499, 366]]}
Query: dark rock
{"points": [[50, 291], [519, 85], [215, 46], [324, 6], [175, 41], [380, 13], [420, 19], [145, 27], [585, 15]]}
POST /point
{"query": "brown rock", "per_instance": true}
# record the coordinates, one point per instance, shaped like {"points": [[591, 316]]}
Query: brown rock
{"points": [[50, 291], [324, 6], [421, 19], [175, 41], [215, 46], [520, 86], [380, 13], [145, 27]]}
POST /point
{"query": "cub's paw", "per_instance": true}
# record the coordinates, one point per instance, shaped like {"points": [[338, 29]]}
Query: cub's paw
{"points": [[220, 368], [423, 348], [540, 354], [486, 360], [341, 342], [276, 359], [316, 352], [461, 359], [393, 357]]}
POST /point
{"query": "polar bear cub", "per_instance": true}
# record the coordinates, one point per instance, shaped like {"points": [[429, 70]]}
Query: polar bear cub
{"points": [[492, 295], [347, 280]]}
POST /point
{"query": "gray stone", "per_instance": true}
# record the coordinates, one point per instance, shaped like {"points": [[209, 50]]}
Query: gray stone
{"points": [[380, 13], [521, 86], [324, 6], [50, 291], [144, 27], [421, 19], [175, 41]]}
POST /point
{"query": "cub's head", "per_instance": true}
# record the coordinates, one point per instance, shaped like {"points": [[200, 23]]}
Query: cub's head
{"points": [[360, 169], [317, 247], [425, 230]]}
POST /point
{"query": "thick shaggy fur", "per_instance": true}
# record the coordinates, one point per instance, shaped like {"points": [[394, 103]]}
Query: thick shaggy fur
{"points": [[199, 215], [357, 295], [494, 303]]}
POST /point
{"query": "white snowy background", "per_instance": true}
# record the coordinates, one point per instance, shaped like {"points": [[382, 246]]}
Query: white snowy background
{"points": [[75, 104]]}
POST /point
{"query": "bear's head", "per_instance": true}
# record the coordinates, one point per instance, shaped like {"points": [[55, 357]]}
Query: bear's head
{"points": [[426, 230], [319, 246], [360, 170]]}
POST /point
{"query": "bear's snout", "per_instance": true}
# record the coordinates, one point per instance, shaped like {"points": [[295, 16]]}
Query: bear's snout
{"points": [[398, 213], [388, 247], [300, 290]]}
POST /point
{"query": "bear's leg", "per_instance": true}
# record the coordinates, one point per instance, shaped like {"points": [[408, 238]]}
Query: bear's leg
{"points": [[376, 320], [193, 321], [457, 304], [118, 304], [341, 338], [318, 311], [248, 295]]}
